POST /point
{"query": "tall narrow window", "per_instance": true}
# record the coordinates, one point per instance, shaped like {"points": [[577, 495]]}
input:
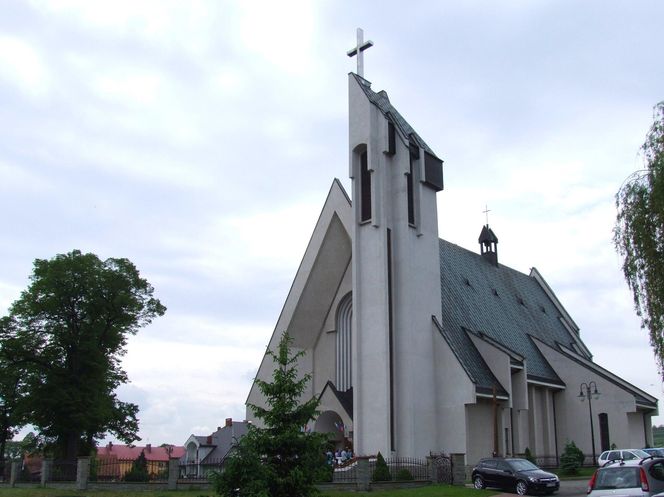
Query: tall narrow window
{"points": [[344, 378], [604, 431], [410, 193], [365, 188]]}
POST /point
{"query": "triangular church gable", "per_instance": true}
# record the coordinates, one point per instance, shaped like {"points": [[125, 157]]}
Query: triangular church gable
{"points": [[323, 267], [641, 398], [627, 410]]}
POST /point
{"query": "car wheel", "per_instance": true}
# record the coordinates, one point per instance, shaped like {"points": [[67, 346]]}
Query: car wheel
{"points": [[478, 483], [521, 487]]}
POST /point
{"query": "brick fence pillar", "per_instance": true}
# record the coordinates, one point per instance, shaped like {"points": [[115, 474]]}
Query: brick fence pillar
{"points": [[458, 469], [82, 473], [173, 473], [13, 476], [46, 470], [363, 474]]}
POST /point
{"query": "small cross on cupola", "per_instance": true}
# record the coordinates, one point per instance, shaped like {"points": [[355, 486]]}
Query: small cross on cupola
{"points": [[488, 242], [358, 50]]}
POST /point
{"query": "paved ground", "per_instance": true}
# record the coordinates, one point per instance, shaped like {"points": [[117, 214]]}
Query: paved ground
{"points": [[573, 488], [568, 488]]}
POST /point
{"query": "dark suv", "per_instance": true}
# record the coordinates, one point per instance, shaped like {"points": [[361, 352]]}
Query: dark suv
{"points": [[519, 475]]}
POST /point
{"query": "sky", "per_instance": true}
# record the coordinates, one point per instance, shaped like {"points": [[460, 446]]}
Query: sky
{"points": [[199, 140]]}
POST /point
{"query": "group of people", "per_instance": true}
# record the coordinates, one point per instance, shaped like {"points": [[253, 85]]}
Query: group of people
{"points": [[339, 457]]}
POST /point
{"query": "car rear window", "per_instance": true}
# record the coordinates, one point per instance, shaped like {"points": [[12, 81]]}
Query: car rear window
{"points": [[625, 477], [613, 455], [657, 471]]}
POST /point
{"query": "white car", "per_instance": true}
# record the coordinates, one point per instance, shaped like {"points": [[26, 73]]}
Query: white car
{"points": [[634, 478], [621, 455]]}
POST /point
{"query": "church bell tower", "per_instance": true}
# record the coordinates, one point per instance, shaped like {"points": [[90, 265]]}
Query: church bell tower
{"points": [[396, 276]]}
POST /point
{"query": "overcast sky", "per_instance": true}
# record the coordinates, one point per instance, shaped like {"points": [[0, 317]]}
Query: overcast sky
{"points": [[199, 140]]}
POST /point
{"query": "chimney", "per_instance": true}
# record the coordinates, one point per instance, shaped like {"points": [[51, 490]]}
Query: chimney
{"points": [[229, 421], [110, 446], [149, 448]]}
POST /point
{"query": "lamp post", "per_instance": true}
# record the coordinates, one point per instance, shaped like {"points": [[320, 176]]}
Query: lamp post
{"points": [[589, 390]]}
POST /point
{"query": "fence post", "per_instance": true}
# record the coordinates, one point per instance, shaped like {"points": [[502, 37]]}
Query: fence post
{"points": [[432, 470], [13, 476], [173, 473], [363, 474], [458, 469], [46, 470], [82, 473]]}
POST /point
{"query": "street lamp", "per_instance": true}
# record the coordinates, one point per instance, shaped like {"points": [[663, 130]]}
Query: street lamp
{"points": [[589, 390]]}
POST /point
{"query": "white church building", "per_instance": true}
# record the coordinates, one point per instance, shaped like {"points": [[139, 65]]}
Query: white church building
{"points": [[416, 345]]}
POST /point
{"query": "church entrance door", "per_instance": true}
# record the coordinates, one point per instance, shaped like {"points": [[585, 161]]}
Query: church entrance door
{"points": [[330, 422]]}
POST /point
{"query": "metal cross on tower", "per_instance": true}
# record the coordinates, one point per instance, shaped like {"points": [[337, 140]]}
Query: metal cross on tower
{"points": [[361, 47], [486, 213]]}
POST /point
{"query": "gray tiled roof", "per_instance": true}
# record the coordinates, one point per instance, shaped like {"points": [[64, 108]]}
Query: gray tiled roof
{"points": [[382, 101], [500, 303]]}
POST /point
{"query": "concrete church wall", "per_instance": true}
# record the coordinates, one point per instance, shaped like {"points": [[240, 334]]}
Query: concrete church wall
{"points": [[453, 391], [636, 430], [541, 440], [325, 347], [479, 440], [573, 417], [498, 361]]}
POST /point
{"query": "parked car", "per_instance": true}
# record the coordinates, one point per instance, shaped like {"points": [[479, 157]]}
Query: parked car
{"points": [[634, 478], [621, 454], [519, 475], [655, 451]]}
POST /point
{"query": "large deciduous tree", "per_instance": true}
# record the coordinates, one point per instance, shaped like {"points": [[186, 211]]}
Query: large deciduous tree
{"points": [[69, 330], [13, 396], [639, 235], [281, 459]]}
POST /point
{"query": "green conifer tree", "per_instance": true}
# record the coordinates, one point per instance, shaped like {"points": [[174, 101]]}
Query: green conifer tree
{"points": [[281, 459]]}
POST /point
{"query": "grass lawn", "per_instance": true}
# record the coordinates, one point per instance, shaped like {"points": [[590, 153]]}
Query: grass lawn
{"points": [[430, 491]]}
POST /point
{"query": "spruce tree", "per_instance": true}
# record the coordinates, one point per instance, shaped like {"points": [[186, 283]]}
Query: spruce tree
{"points": [[280, 459]]}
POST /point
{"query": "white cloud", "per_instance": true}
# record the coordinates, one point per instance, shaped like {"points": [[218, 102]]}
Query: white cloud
{"points": [[22, 65], [199, 138]]}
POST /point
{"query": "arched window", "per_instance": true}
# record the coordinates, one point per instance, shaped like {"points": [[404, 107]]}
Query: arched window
{"points": [[344, 379]]}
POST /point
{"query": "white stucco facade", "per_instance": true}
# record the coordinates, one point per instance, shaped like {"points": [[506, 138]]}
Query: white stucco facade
{"points": [[416, 387]]}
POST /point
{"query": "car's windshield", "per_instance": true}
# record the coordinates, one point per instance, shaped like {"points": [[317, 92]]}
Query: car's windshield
{"points": [[522, 465], [625, 477], [641, 453]]}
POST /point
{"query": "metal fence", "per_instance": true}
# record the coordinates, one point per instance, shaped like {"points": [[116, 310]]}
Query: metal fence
{"points": [[29, 471], [5, 470], [63, 470], [200, 471], [547, 461], [402, 469], [346, 473], [116, 470]]}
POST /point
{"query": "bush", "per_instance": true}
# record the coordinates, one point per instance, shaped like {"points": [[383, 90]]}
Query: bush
{"points": [[529, 455], [571, 459], [404, 475], [382, 471], [139, 470]]}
